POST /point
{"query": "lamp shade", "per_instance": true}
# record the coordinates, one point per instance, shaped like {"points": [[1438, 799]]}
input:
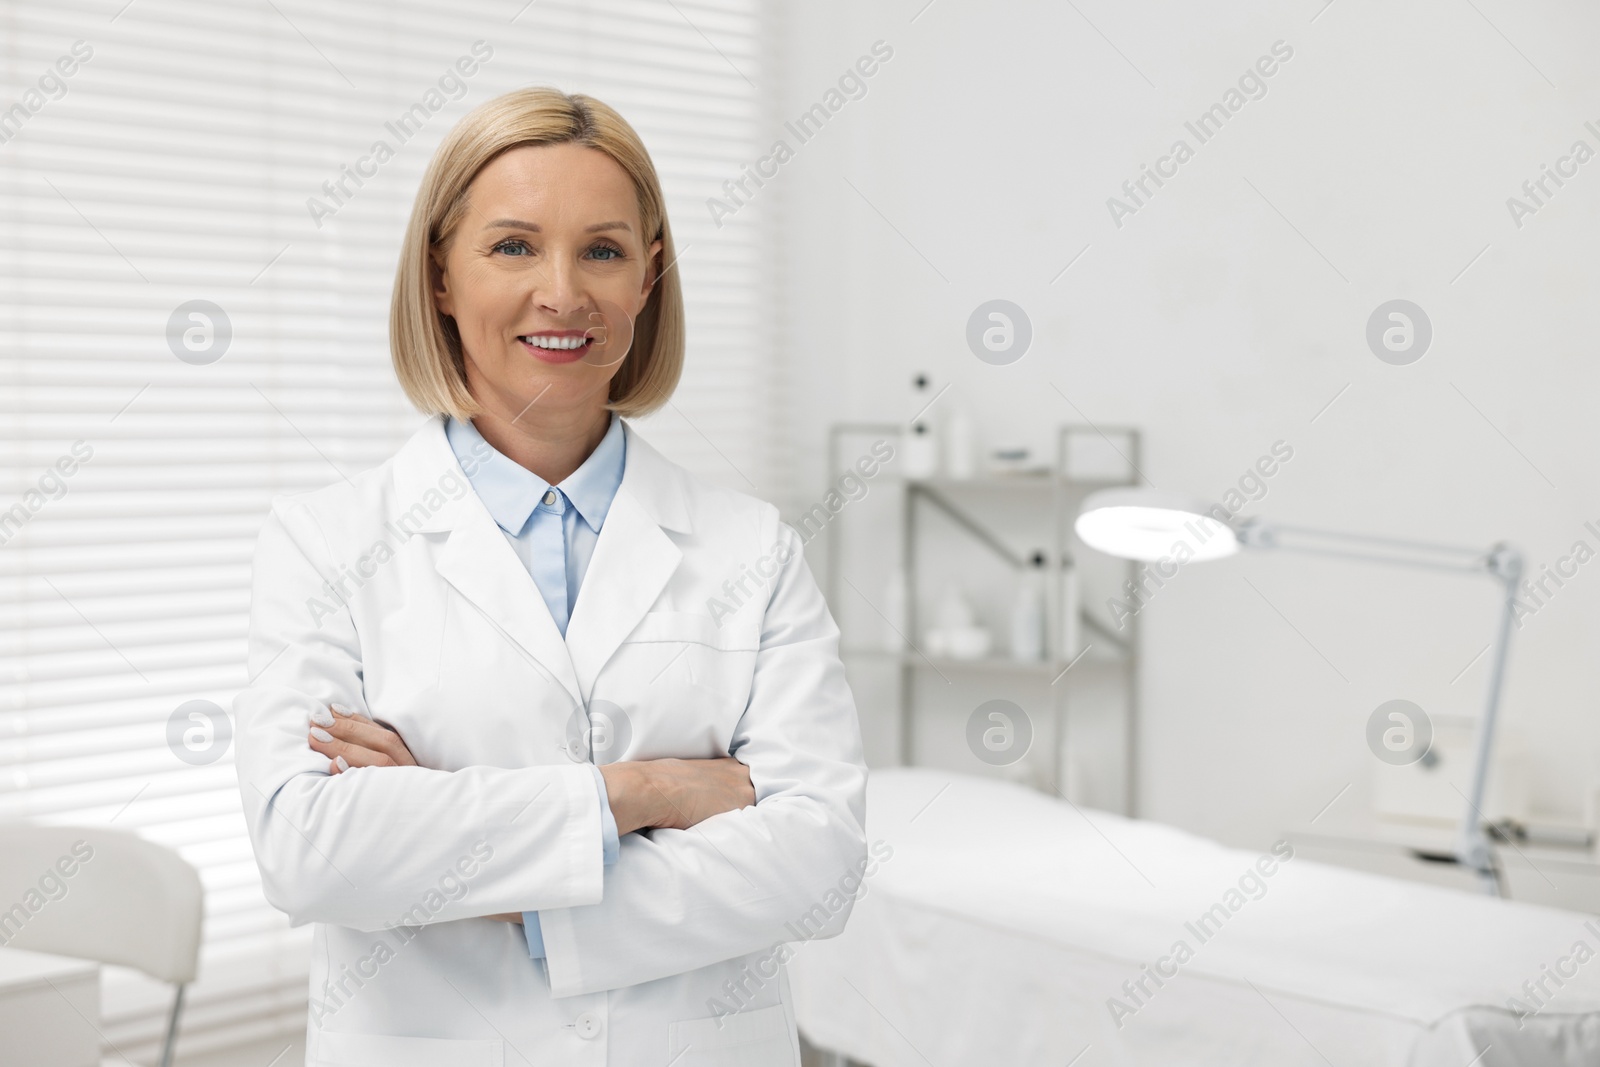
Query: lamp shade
{"points": [[1148, 524]]}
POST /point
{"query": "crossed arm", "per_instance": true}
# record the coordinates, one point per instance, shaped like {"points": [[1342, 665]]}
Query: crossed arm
{"points": [[667, 793]]}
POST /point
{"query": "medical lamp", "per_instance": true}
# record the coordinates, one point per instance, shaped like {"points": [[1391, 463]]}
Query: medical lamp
{"points": [[1144, 524]]}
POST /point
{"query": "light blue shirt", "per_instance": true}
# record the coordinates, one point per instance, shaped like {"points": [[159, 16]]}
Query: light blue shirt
{"points": [[553, 530]]}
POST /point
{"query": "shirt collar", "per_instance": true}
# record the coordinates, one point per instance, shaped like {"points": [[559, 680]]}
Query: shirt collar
{"points": [[511, 491]]}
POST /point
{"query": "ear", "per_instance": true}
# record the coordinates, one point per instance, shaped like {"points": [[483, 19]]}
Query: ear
{"points": [[651, 274], [439, 284]]}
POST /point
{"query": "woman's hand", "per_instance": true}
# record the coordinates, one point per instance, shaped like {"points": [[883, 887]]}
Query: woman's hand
{"points": [[350, 739], [675, 793]]}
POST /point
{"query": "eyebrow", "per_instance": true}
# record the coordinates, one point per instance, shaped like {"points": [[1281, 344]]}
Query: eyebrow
{"points": [[533, 227]]}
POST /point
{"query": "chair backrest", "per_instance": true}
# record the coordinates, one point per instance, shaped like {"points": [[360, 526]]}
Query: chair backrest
{"points": [[99, 894]]}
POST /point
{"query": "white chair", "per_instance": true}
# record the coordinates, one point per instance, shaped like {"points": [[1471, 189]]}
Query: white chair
{"points": [[127, 901]]}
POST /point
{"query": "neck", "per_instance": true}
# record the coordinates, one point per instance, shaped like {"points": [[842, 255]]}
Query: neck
{"points": [[553, 446]]}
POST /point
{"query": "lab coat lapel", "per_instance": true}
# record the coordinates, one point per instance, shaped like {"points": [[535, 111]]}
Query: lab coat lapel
{"points": [[434, 496], [483, 567], [633, 559]]}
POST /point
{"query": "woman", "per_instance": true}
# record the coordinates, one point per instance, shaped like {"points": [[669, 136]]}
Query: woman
{"points": [[519, 840]]}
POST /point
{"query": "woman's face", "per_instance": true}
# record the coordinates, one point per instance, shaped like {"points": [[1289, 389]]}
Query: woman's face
{"points": [[544, 277]]}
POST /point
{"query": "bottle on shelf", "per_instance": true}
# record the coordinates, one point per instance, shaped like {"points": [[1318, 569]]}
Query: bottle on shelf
{"points": [[920, 458], [1071, 610], [1027, 614], [960, 445]]}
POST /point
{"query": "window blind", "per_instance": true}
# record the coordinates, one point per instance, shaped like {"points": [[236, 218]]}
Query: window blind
{"points": [[189, 156]]}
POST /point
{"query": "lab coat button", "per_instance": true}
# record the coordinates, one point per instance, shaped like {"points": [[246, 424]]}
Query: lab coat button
{"points": [[588, 1025]]}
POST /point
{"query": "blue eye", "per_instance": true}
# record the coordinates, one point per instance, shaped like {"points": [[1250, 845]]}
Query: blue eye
{"points": [[615, 253], [510, 241]]}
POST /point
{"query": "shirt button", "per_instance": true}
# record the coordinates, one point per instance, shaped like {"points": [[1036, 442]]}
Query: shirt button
{"points": [[550, 496], [588, 1025]]}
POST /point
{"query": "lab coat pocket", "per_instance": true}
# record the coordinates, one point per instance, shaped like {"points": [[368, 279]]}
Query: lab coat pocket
{"points": [[693, 676], [759, 1038], [335, 1049]]}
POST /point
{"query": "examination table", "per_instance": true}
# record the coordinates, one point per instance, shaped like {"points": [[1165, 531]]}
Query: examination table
{"points": [[1010, 927]]}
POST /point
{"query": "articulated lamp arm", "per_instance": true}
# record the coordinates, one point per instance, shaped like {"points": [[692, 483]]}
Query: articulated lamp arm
{"points": [[1501, 562]]}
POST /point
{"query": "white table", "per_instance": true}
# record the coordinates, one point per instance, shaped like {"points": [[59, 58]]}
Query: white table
{"points": [[49, 1010]]}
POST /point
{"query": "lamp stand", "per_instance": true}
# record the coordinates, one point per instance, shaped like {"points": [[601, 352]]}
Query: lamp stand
{"points": [[1501, 562], [1473, 850]]}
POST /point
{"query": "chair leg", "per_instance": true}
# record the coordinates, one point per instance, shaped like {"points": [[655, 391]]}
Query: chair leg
{"points": [[171, 1044]]}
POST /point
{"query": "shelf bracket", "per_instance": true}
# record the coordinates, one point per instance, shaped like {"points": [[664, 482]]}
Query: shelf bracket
{"points": [[988, 539]]}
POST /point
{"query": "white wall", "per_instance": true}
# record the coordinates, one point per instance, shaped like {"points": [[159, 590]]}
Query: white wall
{"points": [[1390, 141]]}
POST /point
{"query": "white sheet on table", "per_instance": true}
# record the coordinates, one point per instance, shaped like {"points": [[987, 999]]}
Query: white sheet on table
{"points": [[1006, 918]]}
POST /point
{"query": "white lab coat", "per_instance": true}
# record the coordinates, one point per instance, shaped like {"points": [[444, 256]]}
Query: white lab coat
{"points": [[395, 593]]}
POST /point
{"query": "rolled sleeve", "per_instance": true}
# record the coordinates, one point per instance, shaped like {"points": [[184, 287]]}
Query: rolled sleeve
{"points": [[610, 847]]}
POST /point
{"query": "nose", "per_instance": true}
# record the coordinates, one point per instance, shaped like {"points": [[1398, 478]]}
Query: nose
{"points": [[558, 288]]}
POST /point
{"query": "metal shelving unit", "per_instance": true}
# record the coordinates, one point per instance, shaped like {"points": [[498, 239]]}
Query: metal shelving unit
{"points": [[944, 494]]}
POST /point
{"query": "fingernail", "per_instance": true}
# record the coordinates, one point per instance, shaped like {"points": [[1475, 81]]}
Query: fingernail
{"points": [[340, 709], [320, 734], [322, 717], [343, 766]]}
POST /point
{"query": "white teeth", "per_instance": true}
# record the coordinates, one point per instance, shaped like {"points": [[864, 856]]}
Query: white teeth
{"points": [[556, 342]]}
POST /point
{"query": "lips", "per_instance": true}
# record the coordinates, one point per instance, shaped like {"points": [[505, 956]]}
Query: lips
{"points": [[557, 346]]}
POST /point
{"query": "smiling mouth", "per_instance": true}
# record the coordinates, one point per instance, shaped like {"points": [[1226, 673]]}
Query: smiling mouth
{"points": [[557, 347]]}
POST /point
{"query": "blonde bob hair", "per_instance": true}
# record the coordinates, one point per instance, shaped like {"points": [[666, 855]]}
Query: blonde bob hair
{"points": [[425, 344]]}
